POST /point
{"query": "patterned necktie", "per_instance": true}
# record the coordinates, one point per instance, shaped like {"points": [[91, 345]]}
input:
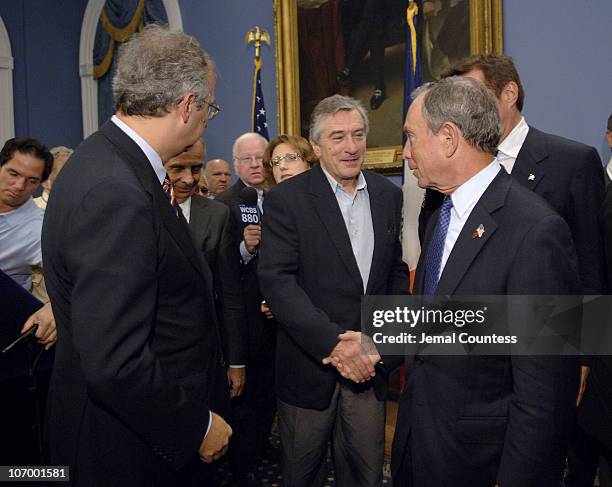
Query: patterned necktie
{"points": [[433, 259], [167, 187]]}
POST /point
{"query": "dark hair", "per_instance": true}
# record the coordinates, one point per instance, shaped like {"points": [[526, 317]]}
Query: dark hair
{"points": [[27, 145], [498, 71], [610, 122]]}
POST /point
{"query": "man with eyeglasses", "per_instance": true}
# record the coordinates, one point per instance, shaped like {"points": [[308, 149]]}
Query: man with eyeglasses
{"points": [[134, 396], [254, 410]]}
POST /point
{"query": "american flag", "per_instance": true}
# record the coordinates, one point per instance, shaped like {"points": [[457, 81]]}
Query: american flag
{"points": [[260, 124]]}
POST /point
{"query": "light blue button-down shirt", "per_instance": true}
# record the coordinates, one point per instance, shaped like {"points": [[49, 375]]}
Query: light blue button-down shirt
{"points": [[20, 232], [357, 215]]}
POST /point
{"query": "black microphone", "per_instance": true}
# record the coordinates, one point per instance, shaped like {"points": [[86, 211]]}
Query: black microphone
{"points": [[249, 212], [24, 336]]}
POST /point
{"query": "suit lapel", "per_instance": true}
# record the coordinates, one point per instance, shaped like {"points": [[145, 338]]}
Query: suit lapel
{"points": [[327, 208], [469, 243], [380, 210], [141, 166], [526, 168], [200, 218]]}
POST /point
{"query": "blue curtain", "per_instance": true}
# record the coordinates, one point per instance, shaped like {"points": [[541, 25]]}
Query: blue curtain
{"points": [[120, 14]]}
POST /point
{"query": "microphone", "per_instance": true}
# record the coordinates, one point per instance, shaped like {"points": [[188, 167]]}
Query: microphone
{"points": [[24, 336], [249, 212]]}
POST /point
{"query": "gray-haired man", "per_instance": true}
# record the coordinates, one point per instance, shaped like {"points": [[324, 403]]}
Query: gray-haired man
{"points": [[329, 236], [479, 421], [138, 365]]}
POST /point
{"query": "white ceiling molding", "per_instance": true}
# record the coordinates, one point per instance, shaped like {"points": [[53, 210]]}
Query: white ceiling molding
{"points": [[89, 86], [7, 116]]}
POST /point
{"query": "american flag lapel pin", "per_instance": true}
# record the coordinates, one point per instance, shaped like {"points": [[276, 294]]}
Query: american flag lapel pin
{"points": [[479, 232]]}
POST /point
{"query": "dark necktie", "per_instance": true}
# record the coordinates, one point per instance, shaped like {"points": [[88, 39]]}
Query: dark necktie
{"points": [[167, 187], [433, 258]]}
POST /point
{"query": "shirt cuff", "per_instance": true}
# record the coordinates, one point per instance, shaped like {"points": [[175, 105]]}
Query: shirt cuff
{"points": [[232, 366], [209, 423], [244, 253]]}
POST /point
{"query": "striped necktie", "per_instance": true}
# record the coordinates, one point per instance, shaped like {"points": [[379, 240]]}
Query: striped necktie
{"points": [[167, 187], [433, 258]]}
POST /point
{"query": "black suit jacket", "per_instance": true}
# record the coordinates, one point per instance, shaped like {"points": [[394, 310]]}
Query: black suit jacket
{"points": [[595, 412], [473, 421], [138, 352], [214, 231], [569, 176], [260, 330], [310, 276]]}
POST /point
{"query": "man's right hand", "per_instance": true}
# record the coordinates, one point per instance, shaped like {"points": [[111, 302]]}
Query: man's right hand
{"points": [[215, 442], [252, 237]]}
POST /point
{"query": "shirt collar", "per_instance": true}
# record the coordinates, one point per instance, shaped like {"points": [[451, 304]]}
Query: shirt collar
{"points": [[152, 156], [466, 195], [512, 144], [335, 185], [259, 190], [186, 209], [16, 217]]}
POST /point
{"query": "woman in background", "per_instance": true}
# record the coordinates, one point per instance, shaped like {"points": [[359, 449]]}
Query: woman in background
{"points": [[287, 156]]}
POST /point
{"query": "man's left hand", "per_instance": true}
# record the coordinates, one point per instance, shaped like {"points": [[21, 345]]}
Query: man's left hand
{"points": [[236, 377], [46, 332]]}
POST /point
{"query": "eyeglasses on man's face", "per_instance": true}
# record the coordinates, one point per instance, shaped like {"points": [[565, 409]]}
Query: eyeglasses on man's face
{"points": [[289, 157], [213, 110], [247, 159]]}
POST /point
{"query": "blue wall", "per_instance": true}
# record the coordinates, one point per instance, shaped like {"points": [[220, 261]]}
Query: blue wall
{"points": [[563, 51], [220, 26], [562, 48], [44, 39]]}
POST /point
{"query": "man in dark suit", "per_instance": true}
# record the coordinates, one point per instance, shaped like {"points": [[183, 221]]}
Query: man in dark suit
{"points": [[479, 421], [214, 231], [330, 235], [567, 174], [254, 411], [138, 358]]}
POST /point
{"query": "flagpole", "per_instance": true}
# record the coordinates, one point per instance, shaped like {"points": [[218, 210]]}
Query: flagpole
{"points": [[256, 36]]}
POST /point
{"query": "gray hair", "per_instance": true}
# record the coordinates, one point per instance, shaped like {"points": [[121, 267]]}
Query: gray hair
{"points": [[244, 137], [465, 102], [157, 68], [332, 105]]}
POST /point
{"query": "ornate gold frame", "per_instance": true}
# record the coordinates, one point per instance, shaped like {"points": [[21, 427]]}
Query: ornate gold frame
{"points": [[486, 35]]}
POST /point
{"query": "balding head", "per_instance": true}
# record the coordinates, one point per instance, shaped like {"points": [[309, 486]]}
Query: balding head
{"points": [[218, 176], [248, 158]]}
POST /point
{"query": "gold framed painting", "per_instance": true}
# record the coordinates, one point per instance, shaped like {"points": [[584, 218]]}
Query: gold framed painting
{"points": [[333, 46]]}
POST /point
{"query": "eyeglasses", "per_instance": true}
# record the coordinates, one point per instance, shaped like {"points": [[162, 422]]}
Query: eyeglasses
{"points": [[213, 110], [245, 159], [289, 157]]}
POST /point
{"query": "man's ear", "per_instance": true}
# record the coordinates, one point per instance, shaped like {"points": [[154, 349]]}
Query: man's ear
{"points": [[315, 147], [186, 106], [510, 93], [451, 135]]}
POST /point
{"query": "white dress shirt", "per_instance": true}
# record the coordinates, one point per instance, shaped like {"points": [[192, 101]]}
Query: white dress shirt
{"points": [[357, 215], [464, 199], [153, 157], [186, 208], [510, 147]]}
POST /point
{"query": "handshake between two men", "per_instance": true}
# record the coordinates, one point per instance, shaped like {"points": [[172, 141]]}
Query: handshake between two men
{"points": [[355, 356]]}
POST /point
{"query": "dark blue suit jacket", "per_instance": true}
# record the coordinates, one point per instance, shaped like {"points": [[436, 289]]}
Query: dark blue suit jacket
{"points": [[473, 421]]}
